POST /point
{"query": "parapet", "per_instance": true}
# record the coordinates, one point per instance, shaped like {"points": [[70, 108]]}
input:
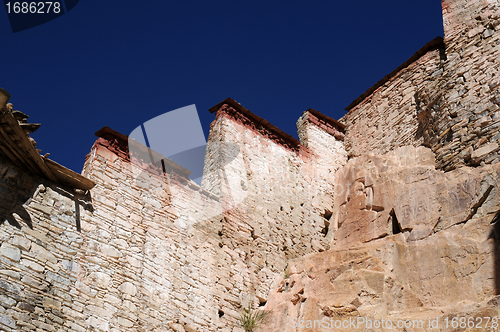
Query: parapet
{"points": [[254, 122], [120, 145], [435, 44], [229, 107], [331, 126]]}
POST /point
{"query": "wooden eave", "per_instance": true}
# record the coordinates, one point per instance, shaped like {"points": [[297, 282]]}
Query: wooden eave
{"points": [[16, 145]]}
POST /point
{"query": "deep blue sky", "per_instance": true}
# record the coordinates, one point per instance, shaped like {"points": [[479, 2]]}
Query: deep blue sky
{"points": [[121, 63]]}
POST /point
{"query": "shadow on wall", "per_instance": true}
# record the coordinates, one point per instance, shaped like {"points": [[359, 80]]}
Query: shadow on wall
{"points": [[18, 188], [495, 235], [80, 198]]}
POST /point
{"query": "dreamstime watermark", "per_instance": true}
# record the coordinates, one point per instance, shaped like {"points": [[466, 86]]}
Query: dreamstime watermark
{"points": [[174, 143]]}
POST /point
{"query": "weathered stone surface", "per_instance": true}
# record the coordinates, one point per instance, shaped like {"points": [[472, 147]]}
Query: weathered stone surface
{"points": [[21, 242], [401, 191], [479, 154], [51, 303], [450, 272], [110, 251], [7, 321], [128, 288], [125, 322], [101, 279], [446, 100], [42, 254], [32, 265], [410, 243], [10, 252]]}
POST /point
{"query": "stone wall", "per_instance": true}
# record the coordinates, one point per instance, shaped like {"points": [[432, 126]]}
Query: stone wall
{"points": [[153, 267], [146, 250], [461, 111], [277, 204], [447, 99], [388, 117], [388, 233], [270, 198], [41, 255]]}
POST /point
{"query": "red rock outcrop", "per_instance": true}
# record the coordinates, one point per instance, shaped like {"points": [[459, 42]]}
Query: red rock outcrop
{"points": [[412, 243]]}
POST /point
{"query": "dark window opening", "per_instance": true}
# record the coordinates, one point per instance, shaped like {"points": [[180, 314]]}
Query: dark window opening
{"points": [[221, 313], [326, 215], [396, 229], [324, 231]]}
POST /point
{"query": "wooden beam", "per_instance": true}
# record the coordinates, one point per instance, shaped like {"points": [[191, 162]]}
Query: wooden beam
{"points": [[28, 148], [69, 177], [4, 98], [11, 156], [17, 146], [19, 160]]}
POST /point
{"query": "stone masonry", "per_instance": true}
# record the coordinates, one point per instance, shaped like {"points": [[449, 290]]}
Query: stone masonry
{"points": [[414, 230], [155, 251], [389, 213], [447, 99]]}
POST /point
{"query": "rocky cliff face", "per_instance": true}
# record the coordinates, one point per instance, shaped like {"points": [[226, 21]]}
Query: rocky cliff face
{"points": [[412, 243], [402, 191]]}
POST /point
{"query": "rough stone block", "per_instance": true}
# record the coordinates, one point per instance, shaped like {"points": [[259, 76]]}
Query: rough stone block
{"points": [[480, 153], [128, 288], [10, 252]]}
